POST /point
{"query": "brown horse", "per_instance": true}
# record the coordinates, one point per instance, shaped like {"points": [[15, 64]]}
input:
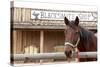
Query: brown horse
{"points": [[80, 38]]}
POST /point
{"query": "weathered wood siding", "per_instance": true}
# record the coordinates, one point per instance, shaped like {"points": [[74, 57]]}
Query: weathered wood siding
{"points": [[28, 42], [52, 39], [25, 39], [17, 41], [21, 14], [24, 15]]}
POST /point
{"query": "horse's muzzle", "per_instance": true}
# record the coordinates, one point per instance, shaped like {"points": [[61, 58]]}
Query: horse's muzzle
{"points": [[68, 54], [68, 51]]}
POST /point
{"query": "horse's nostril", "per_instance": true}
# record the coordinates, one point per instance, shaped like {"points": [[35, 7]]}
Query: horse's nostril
{"points": [[68, 53]]}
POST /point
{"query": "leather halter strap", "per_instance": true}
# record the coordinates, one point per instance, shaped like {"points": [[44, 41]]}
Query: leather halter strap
{"points": [[72, 45]]}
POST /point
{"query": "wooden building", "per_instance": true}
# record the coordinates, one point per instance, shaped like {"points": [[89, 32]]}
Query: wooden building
{"points": [[36, 28]]}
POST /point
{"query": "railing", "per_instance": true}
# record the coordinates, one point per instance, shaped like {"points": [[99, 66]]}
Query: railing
{"points": [[58, 55]]}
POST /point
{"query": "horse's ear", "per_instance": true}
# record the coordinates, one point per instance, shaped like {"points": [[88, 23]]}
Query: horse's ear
{"points": [[77, 20], [66, 21]]}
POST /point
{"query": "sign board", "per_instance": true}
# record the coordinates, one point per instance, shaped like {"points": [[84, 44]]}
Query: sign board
{"points": [[59, 15]]}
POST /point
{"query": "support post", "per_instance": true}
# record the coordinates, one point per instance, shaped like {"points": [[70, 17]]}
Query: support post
{"points": [[41, 42]]}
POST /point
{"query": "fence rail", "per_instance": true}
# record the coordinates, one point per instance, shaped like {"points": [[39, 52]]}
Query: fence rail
{"points": [[60, 55]]}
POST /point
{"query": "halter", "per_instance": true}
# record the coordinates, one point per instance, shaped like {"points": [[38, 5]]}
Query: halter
{"points": [[75, 48], [72, 45]]}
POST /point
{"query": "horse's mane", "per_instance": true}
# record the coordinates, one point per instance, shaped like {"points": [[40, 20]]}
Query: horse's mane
{"points": [[86, 37]]}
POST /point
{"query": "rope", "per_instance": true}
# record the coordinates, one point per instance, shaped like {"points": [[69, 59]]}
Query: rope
{"points": [[70, 44]]}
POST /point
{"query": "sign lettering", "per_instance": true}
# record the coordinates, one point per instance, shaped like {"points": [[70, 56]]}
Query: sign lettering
{"points": [[59, 15]]}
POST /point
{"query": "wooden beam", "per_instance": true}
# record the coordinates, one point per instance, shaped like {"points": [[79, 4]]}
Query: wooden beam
{"points": [[41, 42], [58, 55], [29, 25], [18, 26]]}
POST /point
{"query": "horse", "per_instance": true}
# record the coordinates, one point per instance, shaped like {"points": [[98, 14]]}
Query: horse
{"points": [[78, 39]]}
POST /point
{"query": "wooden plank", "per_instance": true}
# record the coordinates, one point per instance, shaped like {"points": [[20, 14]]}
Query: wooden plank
{"points": [[19, 42], [17, 14], [28, 14], [23, 14], [14, 41], [59, 55], [41, 41], [24, 41], [30, 26]]}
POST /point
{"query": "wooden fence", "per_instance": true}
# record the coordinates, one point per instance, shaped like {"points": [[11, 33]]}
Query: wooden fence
{"points": [[58, 55]]}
